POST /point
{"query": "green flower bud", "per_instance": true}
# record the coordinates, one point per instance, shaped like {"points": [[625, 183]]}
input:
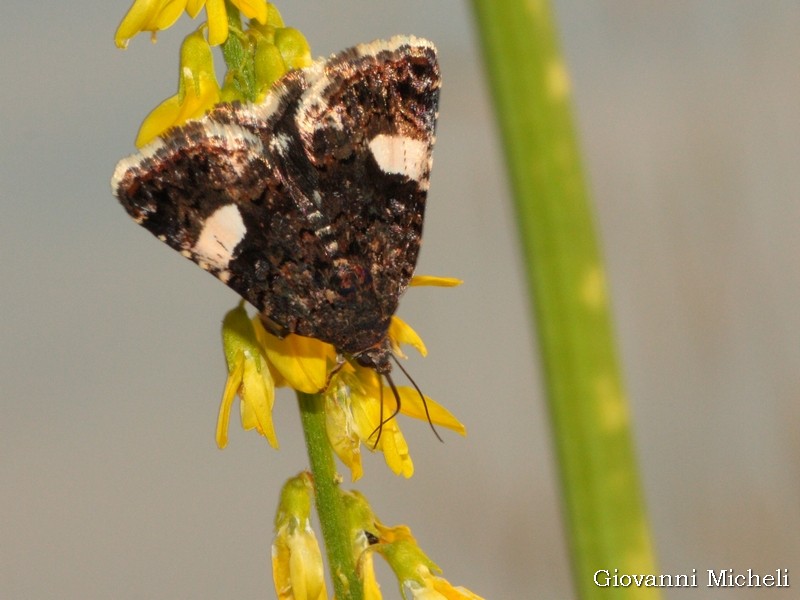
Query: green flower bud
{"points": [[294, 48]]}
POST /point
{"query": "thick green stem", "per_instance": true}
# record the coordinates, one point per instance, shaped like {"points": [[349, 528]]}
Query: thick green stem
{"points": [[604, 509], [330, 508]]}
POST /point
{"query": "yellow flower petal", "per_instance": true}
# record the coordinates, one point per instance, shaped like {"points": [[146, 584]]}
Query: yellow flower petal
{"points": [[305, 567], [372, 591], [448, 591], [193, 7], [198, 91], [217, 22], [274, 17], [395, 450], [173, 112], [258, 397], [420, 280], [253, 9], [389, 535], [301, 361], [401, 332], [281, 577], [411, 405], [147, 15], [161, 118], [231, 387], [170, 13]]}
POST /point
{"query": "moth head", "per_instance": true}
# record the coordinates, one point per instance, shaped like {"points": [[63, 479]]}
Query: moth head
{"points": [[377, 357]]}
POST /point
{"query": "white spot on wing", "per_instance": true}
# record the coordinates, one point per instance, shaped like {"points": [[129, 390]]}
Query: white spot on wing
{"points": [[221, 233], [401, 155]]}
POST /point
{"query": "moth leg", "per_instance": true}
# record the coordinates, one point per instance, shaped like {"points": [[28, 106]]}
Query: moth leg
{"points": [[340, 362], [274, 328]]}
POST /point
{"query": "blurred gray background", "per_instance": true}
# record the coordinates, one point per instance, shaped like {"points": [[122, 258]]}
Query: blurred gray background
{"points": [[111, 485]]}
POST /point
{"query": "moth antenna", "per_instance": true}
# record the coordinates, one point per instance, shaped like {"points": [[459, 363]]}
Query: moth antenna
{"points": [[421, 395], [396, 396], [379, 428]]}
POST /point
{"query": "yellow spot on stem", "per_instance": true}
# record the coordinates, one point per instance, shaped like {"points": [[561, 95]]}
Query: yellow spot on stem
{"points": [[611, 405], [558, 83], [593, 288]]}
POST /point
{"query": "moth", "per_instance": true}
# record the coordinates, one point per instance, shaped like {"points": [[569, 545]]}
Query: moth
{"points": [[310, 204]]}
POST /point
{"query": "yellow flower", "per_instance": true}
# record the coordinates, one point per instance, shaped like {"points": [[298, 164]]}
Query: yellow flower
{"points": [[258, 362], [198, 91], [248, 376], [148, 15], [354, 416], [361, 520], [299, 362], [156, 15], [358, 395], [416, 572], [357, 404], [297, 569]]}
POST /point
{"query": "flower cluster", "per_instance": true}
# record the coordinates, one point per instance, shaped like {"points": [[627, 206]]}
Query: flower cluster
{"points": [[155, 15], [297, 561], [264, 52], [355, 397]]}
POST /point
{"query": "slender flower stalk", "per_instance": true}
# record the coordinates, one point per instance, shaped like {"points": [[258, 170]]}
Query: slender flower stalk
{"points": [[589, 414], [330, 507]]}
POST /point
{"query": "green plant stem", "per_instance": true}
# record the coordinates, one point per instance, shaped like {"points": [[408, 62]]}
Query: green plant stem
{"points": [[330, 508], [603, 505]]}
